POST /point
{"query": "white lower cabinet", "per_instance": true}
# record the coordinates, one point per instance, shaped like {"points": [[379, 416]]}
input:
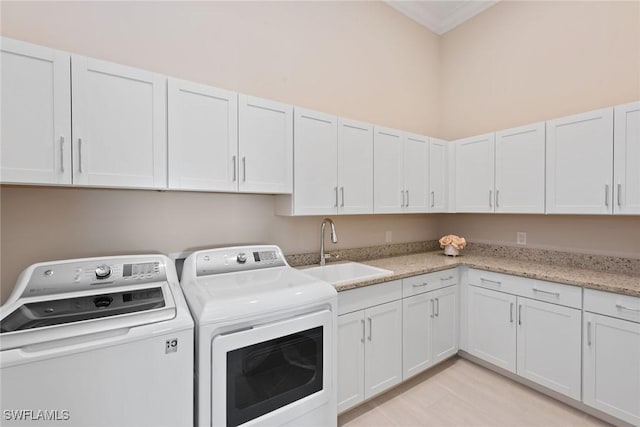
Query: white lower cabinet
{"points": [[611, 354], [430, 329], [536, 339], [369, 342], [549, 343]]}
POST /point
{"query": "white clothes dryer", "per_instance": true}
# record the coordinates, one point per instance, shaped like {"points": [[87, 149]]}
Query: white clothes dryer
{"points": [[97, 342], [265, 339]]}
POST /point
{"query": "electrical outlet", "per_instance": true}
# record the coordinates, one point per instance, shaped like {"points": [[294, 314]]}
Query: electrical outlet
{"points": [[388, 236], [521, 238]]}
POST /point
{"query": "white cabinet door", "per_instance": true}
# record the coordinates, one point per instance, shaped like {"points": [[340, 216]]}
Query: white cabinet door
{"points": [[437, 196], [520, 159], [119, 125], [549, 345], [351, 337], [315, 163], [580, 163], [626, 165], [203, 137], [388, 173], [265, 147], [417, 316], [355, 167], [416, 162], [474, 174], [611, 357], [491, 327], [445, 323], [36, 114], [383, 347]]}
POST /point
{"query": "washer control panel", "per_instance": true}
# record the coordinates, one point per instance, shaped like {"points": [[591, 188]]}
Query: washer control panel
{"points": [[241, 258], [55, 278]]}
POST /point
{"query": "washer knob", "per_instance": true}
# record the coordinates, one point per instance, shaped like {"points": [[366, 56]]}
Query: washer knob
{"points": [[103, 271], [241, 258]]}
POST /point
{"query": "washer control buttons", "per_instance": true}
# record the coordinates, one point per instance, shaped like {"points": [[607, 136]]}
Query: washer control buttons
{"points": [[103, 271], [241, 258]]}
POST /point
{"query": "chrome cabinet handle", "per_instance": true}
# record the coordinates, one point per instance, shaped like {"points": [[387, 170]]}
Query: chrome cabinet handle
{"points": [[493, 282], [244, 169], [589, 334], [407, 198], [437, 307], [446, 278], [433, 198], [335, 190], [80, 155], [520, 314], [622, 307], [606, 195], [433, 310], [497, 198], [555, 294], [363, 333], [235, 168], [490, 198], [370, 328], [511, 313], [62, 154], [619, 194], [419, 285], [342, 194], [402, 194]]}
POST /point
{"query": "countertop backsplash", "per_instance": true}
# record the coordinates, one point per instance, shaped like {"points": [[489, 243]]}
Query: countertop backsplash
{"points": [[604, 263]]}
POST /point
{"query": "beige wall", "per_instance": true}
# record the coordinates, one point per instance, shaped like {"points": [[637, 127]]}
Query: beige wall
{"points": [[41, 224], [520, 62], [525, 61], [600, 235]]}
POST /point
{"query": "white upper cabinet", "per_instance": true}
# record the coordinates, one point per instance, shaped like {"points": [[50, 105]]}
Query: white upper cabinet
{"points": [[388, 196], [400, 171], [333, 166], [119, 125], [416, 162], [316, 164], [203, 137], [265, 148], [474, 174], [36, 114], [519, 173], [580, 163], [355, 167], [626, 166], [438, 160]]}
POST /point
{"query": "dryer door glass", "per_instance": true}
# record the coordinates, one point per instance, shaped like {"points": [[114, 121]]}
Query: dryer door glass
{"points": [[271, 374]]}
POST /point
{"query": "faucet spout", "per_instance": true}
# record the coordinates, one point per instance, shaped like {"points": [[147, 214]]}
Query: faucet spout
{"points": [[334, 238]]}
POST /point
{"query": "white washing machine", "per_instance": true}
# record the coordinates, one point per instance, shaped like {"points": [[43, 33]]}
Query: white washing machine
{"points": [[97, 342], [265, 339]]}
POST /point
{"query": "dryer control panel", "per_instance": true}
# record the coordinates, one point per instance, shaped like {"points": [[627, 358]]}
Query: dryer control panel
{"points": [[56, 278], [239, 258]]}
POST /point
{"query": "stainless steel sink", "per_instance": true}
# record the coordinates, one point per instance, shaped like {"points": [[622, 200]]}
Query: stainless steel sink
{"points": [[346, 272]]}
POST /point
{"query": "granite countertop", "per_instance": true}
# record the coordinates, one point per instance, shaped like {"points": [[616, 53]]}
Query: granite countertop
{"points": [[427, 262]]}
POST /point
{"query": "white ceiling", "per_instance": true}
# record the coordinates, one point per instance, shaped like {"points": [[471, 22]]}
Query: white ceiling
{"points": [[440, 16]]}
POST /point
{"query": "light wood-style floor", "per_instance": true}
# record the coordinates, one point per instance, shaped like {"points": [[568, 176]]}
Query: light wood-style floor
{"points": [[461, 393]]}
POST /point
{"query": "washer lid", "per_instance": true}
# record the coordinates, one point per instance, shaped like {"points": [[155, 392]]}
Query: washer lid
{"points": [[228, 296]]}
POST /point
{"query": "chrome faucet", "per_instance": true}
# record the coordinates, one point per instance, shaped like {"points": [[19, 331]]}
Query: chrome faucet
{"points": [[334, 239]]}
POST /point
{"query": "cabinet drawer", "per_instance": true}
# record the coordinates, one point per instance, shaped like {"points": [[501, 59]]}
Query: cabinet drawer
{"points": [[368, 296], [428, 282], [556, 293], [614, 305]]}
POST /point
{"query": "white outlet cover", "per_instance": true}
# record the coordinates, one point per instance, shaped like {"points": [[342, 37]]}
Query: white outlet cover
{"points": [[521, 238]]}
